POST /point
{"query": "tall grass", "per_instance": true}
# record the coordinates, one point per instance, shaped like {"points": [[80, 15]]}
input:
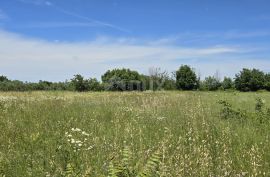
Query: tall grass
{"points": [[132, 134]]}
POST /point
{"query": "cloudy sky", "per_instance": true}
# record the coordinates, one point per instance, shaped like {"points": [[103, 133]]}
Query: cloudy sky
{"points": [[55, 39]]}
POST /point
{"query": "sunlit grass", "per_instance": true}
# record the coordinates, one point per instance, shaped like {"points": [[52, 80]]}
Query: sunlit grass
{"points": [[67, 133]]}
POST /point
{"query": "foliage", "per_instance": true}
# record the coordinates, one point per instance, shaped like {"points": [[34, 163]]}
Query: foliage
{"points": [[16, 85], [210, 83], [267, 82], [259, 105], [43, 85], [13, 86], [80, 84], [158, 80], [122, 80], [94, 85], [124, 168], [227, 83], [186, 78], [3, 78], [228, 111], [250, 80], [261, 115]]}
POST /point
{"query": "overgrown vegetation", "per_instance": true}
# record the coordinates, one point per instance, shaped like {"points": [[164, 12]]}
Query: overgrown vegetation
{"points": [[184, 78], [134, 134], [260, 113]]}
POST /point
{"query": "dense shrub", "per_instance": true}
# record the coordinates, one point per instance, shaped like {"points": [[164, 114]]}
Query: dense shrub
{"points": [[122, 80], [210, 83], [3, 78], [13, 86], [94, 85], [127, 80], [158, 80], [186, 78], [262, 114], [80, 84], [228, 112], [227, 83], [250, 80], [267, 82], [259, 115]]}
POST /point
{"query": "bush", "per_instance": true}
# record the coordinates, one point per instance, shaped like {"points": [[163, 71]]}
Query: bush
{"points": [[13, 86], [122, 80], [186, 78], [158, 80], [210, 83], [93, 85], [267, 82], [250, 80], [228, 111], [227, 83], [261, 114], [80, 84], [3, 78]]}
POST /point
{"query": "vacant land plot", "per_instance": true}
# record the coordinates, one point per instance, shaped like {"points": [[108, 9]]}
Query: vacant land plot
{"points": [[132, 134]]}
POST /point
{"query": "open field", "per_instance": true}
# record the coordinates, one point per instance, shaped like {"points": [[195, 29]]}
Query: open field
{"points": [[151, 133]]}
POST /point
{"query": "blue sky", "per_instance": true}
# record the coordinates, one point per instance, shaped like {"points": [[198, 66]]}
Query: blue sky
{"points": [[55, 39]]}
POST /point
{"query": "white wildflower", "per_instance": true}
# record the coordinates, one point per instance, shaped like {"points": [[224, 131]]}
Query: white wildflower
{"points": [[84, 133], [90, 147], [78, 130]]}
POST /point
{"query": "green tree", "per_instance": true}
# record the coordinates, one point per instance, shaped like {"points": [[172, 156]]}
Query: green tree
{"points": [[267, 82], [227, 83], [211, 83], [44, 85], [186, 78], [93, 85], [250, 80], [122, 80], [3, 78], [79, 83], [159, 80]]}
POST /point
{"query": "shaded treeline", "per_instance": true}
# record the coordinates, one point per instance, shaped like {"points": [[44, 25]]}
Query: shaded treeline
{"points": [[184, 78]]}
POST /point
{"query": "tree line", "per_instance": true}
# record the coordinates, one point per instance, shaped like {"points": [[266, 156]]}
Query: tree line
{"points": [[184, 78]]}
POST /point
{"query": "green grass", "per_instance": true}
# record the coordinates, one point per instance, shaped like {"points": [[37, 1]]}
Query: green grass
{"points": [[182, 131]]}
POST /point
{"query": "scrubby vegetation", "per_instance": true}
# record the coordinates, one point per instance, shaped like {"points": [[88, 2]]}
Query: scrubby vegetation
{"points": [[184, 78], [124, 134]]}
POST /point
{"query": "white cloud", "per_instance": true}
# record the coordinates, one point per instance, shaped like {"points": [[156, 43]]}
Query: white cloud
{"points": [[200, 36], [234, 34], [33, 59], [14, 46]]}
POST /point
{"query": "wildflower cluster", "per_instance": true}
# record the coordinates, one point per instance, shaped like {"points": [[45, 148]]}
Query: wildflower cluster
{"points": [[78, 139]]}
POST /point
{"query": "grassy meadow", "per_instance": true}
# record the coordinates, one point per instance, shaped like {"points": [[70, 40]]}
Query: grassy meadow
{"points": [[133, 134]]}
